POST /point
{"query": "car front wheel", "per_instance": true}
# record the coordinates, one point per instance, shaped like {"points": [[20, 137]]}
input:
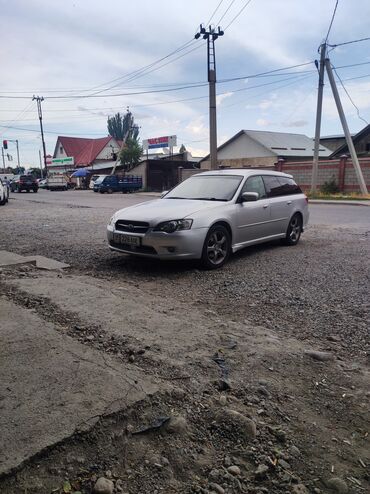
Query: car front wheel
{"points": [[217, 247], [294, 231]]}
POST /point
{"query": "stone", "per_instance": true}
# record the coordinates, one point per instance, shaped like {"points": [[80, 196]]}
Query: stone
{"points": [[284, 464], [338, 485], [238, 423], [177, 425], [131, 358], [103, 486], [234, 470], [223, 400], [319, 356], [217, 488], [294, 451], [261, 472], [300, 489]]}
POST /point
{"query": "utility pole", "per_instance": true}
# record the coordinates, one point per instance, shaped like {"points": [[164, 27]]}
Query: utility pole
{"points": [[343, 120], [40, 163], [17, 144], [211, 35], [315, 164], [39, 99], [2, 152]]}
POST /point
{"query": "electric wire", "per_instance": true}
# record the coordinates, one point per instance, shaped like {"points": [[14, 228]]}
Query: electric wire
{"points": [[214, 12], [350, 42], [349, 97], [238, 14], [331, 22], [226, 11]]}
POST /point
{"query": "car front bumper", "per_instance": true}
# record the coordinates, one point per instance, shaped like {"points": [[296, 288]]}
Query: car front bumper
{"points": [[186, 244]]}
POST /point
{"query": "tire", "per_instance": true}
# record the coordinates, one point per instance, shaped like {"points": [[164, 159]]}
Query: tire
{"points": [[216, 248], [19, 190], [294, 230], [110, 191], [35, 191], [27, 190]]}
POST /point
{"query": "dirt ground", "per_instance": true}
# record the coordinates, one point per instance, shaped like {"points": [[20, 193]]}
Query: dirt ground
{"points": [[261, 370]]}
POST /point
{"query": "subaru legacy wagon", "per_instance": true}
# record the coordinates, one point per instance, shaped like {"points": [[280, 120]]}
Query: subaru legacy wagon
{"points": [[212, 215]]}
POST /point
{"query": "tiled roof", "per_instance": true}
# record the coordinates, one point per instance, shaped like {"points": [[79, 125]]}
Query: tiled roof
{"points": [[82, 149]]}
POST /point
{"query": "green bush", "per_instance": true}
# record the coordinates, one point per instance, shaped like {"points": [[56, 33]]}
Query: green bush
{"points": [[330, 187]]}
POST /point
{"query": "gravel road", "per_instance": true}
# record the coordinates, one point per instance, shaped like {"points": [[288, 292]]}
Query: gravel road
{"points": [[288, 325]]}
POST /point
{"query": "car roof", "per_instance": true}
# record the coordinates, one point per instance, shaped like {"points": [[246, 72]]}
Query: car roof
{"points": [[244, 172]]}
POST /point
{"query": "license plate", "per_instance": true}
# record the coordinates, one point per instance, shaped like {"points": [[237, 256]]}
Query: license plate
{"points": [[126, 239]]}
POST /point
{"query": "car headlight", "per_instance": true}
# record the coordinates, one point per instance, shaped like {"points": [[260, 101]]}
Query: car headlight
{"points": [[112, 220], [173, 226]]}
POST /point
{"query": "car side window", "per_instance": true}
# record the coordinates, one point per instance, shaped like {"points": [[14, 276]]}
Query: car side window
{"points": [[289, 186], [273, 187], [255, 184]]}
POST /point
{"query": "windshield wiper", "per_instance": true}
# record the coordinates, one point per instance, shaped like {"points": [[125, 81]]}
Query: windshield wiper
{"points": [[174, 197], [207, 199]]}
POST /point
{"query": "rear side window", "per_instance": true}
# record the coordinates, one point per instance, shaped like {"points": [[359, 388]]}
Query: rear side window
{"points": [[280, 186], [289, 186]]}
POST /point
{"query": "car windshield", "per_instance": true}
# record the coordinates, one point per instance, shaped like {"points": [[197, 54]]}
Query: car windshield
{"points": [[99, 180], [207, 188]]}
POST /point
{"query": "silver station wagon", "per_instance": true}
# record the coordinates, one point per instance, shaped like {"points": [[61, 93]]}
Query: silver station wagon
{"points": [[211, 215]]}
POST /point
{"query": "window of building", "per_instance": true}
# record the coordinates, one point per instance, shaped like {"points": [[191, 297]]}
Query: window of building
{"points": [[61, 149]]}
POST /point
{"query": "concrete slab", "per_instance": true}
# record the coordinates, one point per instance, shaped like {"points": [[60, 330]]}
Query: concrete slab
{"points": [[41, 262], [52, 386], [11, 259], [47, 263]]}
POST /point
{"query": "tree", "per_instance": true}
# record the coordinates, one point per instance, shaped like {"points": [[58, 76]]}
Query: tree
{"points": [[36, 172], [123, 127], [182, 149], [131, 153]]}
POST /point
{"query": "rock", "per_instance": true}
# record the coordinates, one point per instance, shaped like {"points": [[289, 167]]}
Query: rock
{"points": [[261, 472], [320, 356], [234, 470], [90, 337], [223, 400], [164, 461], [176, 425], [333, 338], [214, 474], [217, 488], [337, 485], [131, 358], [294, 452], [223, 384], [263, 391], [284, 464], [300, 489], [234, 421], [103, 486]]}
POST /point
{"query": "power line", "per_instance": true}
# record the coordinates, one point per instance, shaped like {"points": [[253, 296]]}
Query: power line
{"points": [[238, 14], [349, 97], [350, 42], [226, 11], [332, 20], [214, 12]]}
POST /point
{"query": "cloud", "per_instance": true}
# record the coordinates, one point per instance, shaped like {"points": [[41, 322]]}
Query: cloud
{"points": [[262, 122], [296, 123], [221, 97]]}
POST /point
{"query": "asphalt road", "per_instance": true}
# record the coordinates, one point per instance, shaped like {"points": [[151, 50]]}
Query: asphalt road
{"points": [[336, 215]]}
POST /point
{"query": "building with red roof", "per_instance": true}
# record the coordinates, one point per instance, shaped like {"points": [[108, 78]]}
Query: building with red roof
{"points": [[87, 151]]}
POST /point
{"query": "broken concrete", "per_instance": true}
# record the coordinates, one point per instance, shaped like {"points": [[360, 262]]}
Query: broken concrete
{"points": [[41, 262], [52, 386]]}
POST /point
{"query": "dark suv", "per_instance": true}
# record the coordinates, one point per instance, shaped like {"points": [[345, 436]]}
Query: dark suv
{"points": [[24, 182]]}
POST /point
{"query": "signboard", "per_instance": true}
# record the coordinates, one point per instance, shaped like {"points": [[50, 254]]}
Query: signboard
{"points": [[63, 161], [159, 142]]}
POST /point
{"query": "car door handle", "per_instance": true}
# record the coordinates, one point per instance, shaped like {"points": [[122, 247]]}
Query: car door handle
{"points": [[265, 206], [289, 202]]}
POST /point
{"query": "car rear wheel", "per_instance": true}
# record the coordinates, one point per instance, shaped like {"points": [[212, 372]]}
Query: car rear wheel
{"points": [[294, 231], [110, 191], [19, 189], [217, 247]]}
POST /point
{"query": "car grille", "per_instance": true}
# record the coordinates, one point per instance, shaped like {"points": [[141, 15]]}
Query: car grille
{"points": [[140, 249], [132, 226]]}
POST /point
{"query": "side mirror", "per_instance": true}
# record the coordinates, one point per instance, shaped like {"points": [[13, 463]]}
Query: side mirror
{"points": [[249, 196], [164, 193]]}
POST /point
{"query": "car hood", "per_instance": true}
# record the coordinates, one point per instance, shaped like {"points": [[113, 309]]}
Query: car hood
{"points": [[165, 209]]}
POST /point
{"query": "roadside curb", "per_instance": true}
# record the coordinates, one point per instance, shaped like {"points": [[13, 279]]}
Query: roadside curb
{"points": [[341, 203]]}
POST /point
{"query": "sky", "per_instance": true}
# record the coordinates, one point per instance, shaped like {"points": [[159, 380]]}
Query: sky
{"points": [[86, 58]]}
